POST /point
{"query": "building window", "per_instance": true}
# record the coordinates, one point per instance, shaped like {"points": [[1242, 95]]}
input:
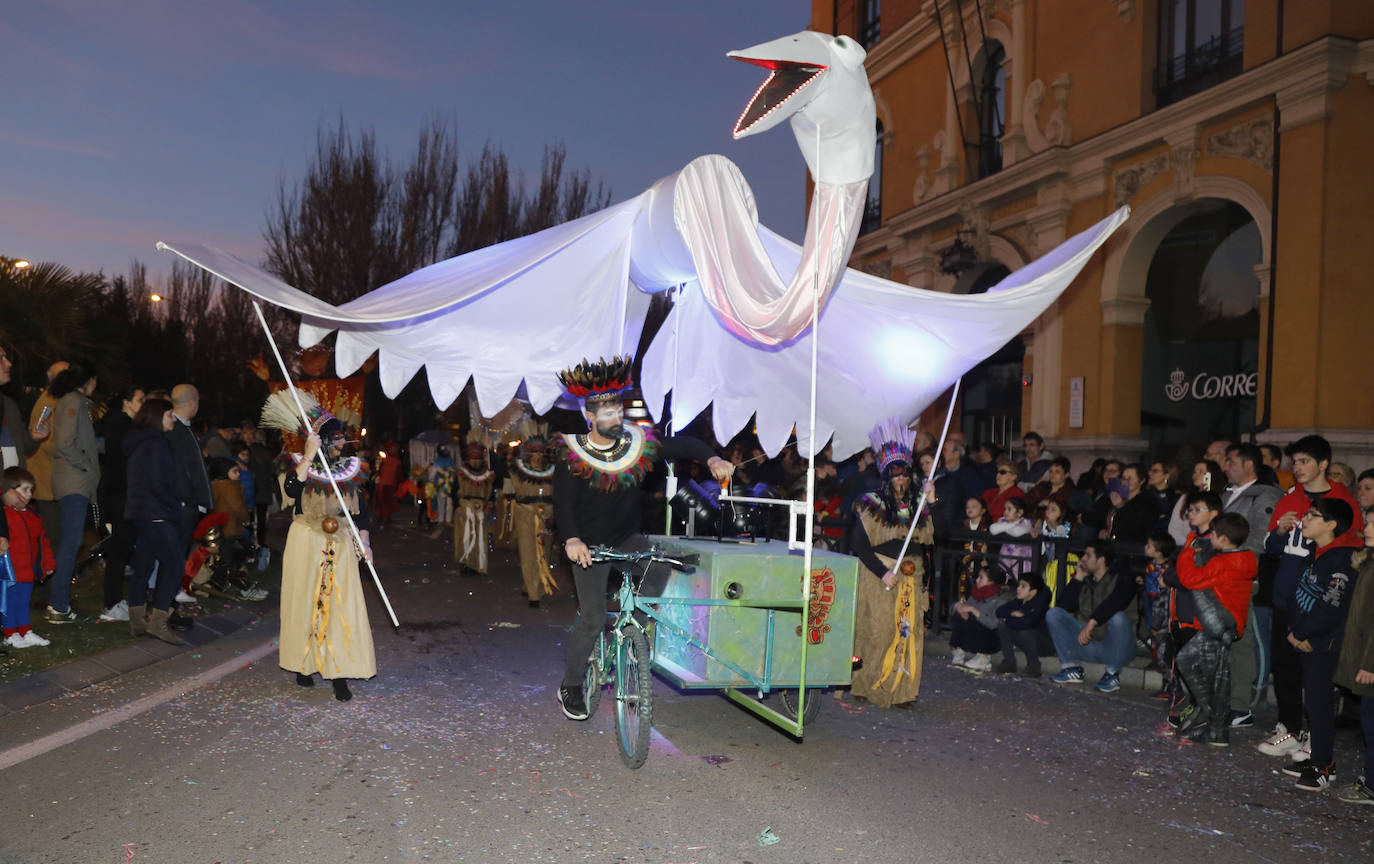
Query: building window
{"points": [[870, 13], [992, 92], [1201, 43], [873, 207]]}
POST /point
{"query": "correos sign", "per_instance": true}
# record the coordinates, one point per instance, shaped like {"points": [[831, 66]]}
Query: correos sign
{"points": [[1205, 385]]}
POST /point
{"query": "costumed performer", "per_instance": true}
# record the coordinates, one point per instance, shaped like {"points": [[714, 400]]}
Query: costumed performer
{"points": [[531, 508], [475, 482], [324, 626], [596, 502], [441, 475], [889, 623]]}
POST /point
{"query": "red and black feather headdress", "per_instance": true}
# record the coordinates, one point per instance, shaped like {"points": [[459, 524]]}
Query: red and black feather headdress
{"points": [[599, 381]]}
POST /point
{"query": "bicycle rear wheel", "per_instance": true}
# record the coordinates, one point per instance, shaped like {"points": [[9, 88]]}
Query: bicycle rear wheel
{"points": [[634, 706]]}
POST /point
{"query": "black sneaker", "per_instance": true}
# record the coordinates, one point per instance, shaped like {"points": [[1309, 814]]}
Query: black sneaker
{"points": [[1242, 719], [1315, 779], [573, 704], [1179, 719], [1295, 769]]}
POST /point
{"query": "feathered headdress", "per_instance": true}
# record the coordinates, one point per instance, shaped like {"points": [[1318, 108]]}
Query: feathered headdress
{"points": [[599, 381], [892, 442], [476, 444], [279, 412], [534, 437]]}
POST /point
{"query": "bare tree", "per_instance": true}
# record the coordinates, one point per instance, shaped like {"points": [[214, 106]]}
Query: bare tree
{"points": [[327, 236]]}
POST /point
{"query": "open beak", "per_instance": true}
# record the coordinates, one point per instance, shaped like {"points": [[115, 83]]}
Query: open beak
{"points": [[786, 78]]}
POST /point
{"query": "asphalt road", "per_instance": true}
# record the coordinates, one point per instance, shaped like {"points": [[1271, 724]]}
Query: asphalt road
{"points": [[457, 751]]}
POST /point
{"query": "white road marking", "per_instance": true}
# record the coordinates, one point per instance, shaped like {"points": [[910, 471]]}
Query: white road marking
{"points": [[25, 752]]}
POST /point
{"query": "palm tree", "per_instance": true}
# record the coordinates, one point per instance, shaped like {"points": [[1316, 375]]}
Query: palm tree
{"points": [[48, 313]]}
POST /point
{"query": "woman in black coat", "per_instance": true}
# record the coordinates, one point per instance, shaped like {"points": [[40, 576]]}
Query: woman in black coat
{"points": [[153, 506]]}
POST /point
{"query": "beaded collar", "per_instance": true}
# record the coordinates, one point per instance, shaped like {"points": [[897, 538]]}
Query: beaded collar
{"points": [[533, 475], [349, 473], [622, 466]]}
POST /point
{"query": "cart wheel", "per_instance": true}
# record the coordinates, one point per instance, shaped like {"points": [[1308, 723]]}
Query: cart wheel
{"points": [[813, 704], [592, 682], [634, 706]]}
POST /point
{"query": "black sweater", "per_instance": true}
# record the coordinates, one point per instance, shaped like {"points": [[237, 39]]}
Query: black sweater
{"points": [[1032, 611], [600, 518], [1322, 600]]}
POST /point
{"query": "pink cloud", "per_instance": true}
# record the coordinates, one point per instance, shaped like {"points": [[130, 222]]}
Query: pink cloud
{"points": [[78, 147], [85, 237]]}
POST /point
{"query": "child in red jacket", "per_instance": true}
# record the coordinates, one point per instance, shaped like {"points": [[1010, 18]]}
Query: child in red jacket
{"points": [[29, 552], [1228, 571]]}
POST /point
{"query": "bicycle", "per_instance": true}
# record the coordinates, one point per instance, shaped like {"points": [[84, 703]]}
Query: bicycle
{"points": [[623, 657]]}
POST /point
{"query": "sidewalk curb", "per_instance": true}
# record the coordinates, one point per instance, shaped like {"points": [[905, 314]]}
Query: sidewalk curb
{"points": [[75, 675]]}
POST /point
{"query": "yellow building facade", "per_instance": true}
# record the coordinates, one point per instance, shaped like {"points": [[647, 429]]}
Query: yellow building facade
{"points": [[1238, 298]]}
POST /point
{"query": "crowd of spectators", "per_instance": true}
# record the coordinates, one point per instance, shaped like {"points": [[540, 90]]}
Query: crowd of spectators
{"points": [[1231, 574], [132, 483]]}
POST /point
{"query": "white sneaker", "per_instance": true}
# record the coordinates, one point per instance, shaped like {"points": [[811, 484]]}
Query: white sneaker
{"points": [[183, 597], [14, 640], [1281, 743], [1304, 751], [117, 612], [958, 658], [979, 663], [33, 640]]}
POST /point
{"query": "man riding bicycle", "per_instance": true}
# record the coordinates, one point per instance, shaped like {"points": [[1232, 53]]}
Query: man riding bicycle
{"points": [[597, 478]]}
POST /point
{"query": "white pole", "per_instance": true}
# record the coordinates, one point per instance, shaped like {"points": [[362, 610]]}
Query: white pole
{"points": [[324, 463], [939, 449]]}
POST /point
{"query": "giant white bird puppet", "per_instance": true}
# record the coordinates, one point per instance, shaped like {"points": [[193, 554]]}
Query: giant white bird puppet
{"points": [[739, 336]]}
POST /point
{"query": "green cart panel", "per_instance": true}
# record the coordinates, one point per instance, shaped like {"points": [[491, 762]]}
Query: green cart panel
{"points": [[766, 579]]}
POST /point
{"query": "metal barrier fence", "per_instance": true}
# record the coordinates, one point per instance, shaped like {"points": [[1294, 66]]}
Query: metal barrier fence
{"points": [[953, 561]]}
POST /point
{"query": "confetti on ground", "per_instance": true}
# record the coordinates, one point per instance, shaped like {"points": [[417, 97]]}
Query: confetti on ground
{"points": [[1036, 819], [716, 759], [508, 625], [768, 838]]}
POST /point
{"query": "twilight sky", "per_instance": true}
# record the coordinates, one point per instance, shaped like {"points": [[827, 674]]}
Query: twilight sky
{"points": [[143, 120]]}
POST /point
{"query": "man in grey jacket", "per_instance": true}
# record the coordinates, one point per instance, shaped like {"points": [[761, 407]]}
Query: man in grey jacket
{"points": [[1248, 497]]}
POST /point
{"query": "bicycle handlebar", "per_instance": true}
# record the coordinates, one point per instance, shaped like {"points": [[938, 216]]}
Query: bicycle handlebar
{"points": [[684, 563]]}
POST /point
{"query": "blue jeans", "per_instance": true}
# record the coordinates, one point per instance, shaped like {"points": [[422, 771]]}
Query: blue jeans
{"points": [[17, 607], [1114, 652], [74, 509]]}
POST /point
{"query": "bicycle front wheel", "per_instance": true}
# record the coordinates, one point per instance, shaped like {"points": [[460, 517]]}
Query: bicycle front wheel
{"points": [[593, 680], [634, 706]]}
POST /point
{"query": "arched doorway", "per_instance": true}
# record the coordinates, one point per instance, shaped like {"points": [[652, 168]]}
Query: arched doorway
{"points": [[1201, 340], [990, 396]]}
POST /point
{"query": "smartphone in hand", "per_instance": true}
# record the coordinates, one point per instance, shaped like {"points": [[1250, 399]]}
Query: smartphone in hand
{"points": [[40, 429]]}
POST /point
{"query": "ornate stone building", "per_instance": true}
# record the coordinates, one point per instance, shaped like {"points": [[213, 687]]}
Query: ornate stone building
{"points": [[1237, 299]]}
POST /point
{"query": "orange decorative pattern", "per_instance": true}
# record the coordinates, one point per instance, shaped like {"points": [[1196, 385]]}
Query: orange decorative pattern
{"points": [[341, 397]]}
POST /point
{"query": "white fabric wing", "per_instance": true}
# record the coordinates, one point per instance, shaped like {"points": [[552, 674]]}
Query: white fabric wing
{"points": [[886, 350]]}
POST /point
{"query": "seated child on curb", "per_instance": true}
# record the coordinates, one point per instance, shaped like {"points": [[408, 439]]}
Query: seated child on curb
{"points": [[973, 622], [1021, 624], [1015, 557], [1228, 571], [29, 553]]}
